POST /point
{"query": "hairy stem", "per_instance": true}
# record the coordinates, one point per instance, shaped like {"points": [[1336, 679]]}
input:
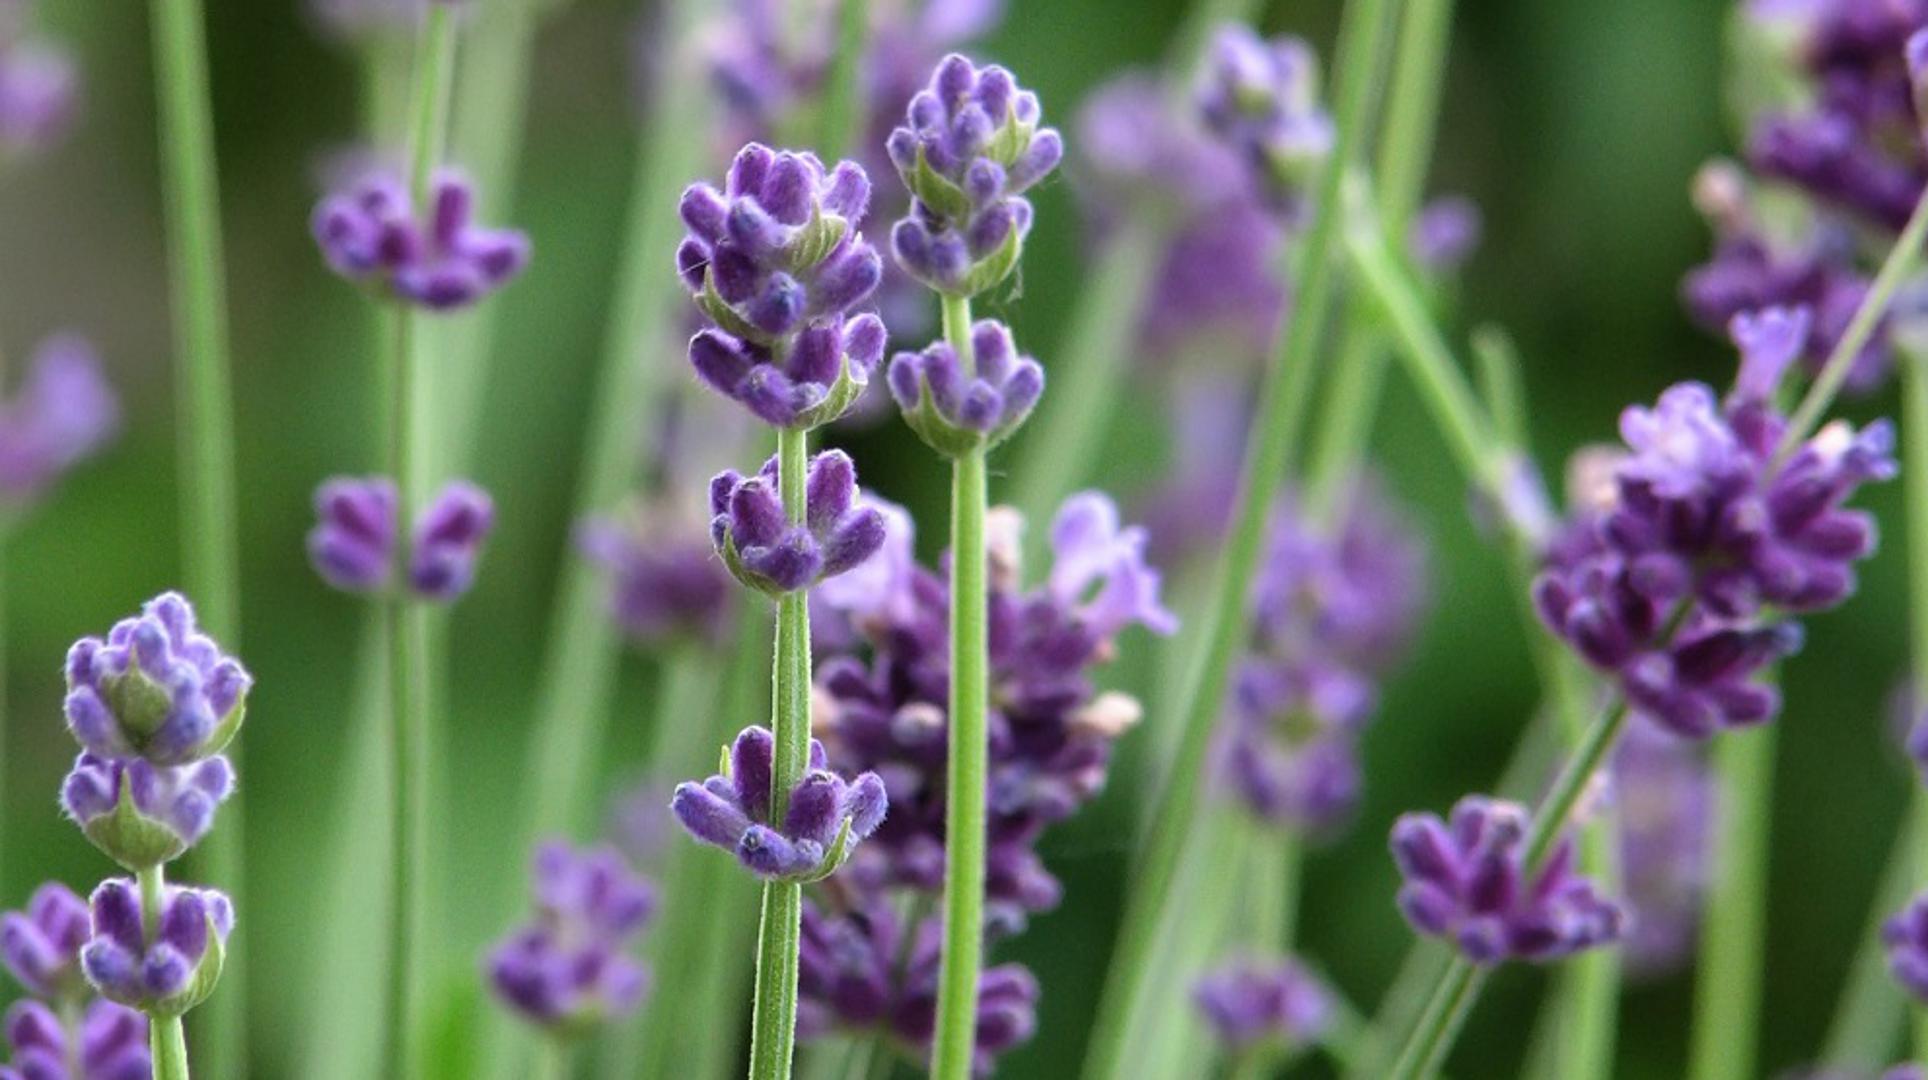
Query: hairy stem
{"points": [[1268, 454], [969, 762]]}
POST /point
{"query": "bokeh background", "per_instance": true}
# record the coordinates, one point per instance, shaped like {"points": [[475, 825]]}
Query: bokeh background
{"points": [[1575, 126]]}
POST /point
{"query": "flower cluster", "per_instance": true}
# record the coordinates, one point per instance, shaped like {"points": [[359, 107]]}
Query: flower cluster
{"points": [[768, 552], [777, 263], [664, 582], [822, 818], [569, 968], [370, 233], [62, 414], [352, 546], [860, 969], [165, 972], [1332, 608], [1663, 799], [969, 148], [959, 405], [1672, 585], [1248, 1002], [40, 947], [1261, 97], [1466, 882], [38, 87], [111, 1044]]}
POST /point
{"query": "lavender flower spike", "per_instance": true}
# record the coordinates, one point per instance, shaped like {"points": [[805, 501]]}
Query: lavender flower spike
{"points": [[1249, 1002], [174, 971], [40, 946], [825, 818], [768, 553], [63, 413], [568, 969], [958, 408], [113, 1044], [156, 688], [141, 814], [1467, 882], [352, 546], [1261, 97], [371, 233], [969, 148]]}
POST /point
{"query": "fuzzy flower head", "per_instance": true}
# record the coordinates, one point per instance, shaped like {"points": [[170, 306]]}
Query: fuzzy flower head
{"points": [[173, 971], [1262, 98], [63, 414], [959, 405], [664, 583], [156, 688], [769, 553], [141, 814], [40, 947], [862, 970], [969, 148], [370, 233], [113, 1044], [1466, 882], [824, 816], [352, 545], [1250, 1002], [569, 968]]}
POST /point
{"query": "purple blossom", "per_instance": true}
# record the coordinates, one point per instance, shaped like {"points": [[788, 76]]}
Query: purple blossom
{"points": [[156, 688], [862, 970], [371, 233], [173, 971], [1248, 1002], [40, 947], [1098, 570], [1466, 882], [63, 414], [569, 968], [1445, 233], [958, 407], [1261, 97], [969, 148], [141, 814], [664, 583], [824, 815], [769, 553], [352, 543], [1663, 797], [113, 1044], [1136, 149], [39, 90], [1906, 936]]}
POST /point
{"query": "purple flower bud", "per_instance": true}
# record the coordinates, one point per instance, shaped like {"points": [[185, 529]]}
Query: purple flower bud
{"points": [[175, 968], [766, 552], [353, 545], [40, 947], [63, 414], [370, 233], [448, 541], [1247, 1002], [1261, 98], [663, 583], [38, 93], [141, 814], [826, 818], [957, 411], [568, 969], [1445, 234], [156, 688], [1906, 935], [1467, 883], [113, 1044]]}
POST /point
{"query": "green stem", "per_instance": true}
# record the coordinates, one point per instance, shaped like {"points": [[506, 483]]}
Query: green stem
{"points": [[1589, 984], [1499, 381], [1727, 982], [1895, 269], [773, 1030], [1446, 1012], [841, 109], [1268, 453], [1914, 480], [209, 534], [165, 1040], [969, 763], [1871, 1009]]}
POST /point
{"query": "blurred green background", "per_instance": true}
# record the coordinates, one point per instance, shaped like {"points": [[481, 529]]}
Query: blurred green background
{"points": [[1575, 126]]}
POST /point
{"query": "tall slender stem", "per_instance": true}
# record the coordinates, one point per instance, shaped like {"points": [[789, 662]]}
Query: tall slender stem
{"points": [[1914, 479], [166, 1040], [969, 762], [1871, 1009], [210, 544], [773, 1030], [841, 109], [1268, 453], [1727, 979]]}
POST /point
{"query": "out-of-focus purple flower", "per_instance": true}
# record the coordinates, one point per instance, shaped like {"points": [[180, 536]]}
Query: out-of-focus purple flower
{"points": [[569, 968], [880, 592], [63, 414], [113, 1044], [824, 815], [1248, 1002], [1670, 585], [39, 90], [40, 946], [175, 968], [663, 583], [352, 545], [1906, 936], [1218, 282], [969, 148], [372, 233], [1134, 148], [156, 688], [1445, 233], [862, 970], [1466, 882], [141, 814], [1664, 799], [769, 553], [958, 407], [1099, 571], [1261, 97]]}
